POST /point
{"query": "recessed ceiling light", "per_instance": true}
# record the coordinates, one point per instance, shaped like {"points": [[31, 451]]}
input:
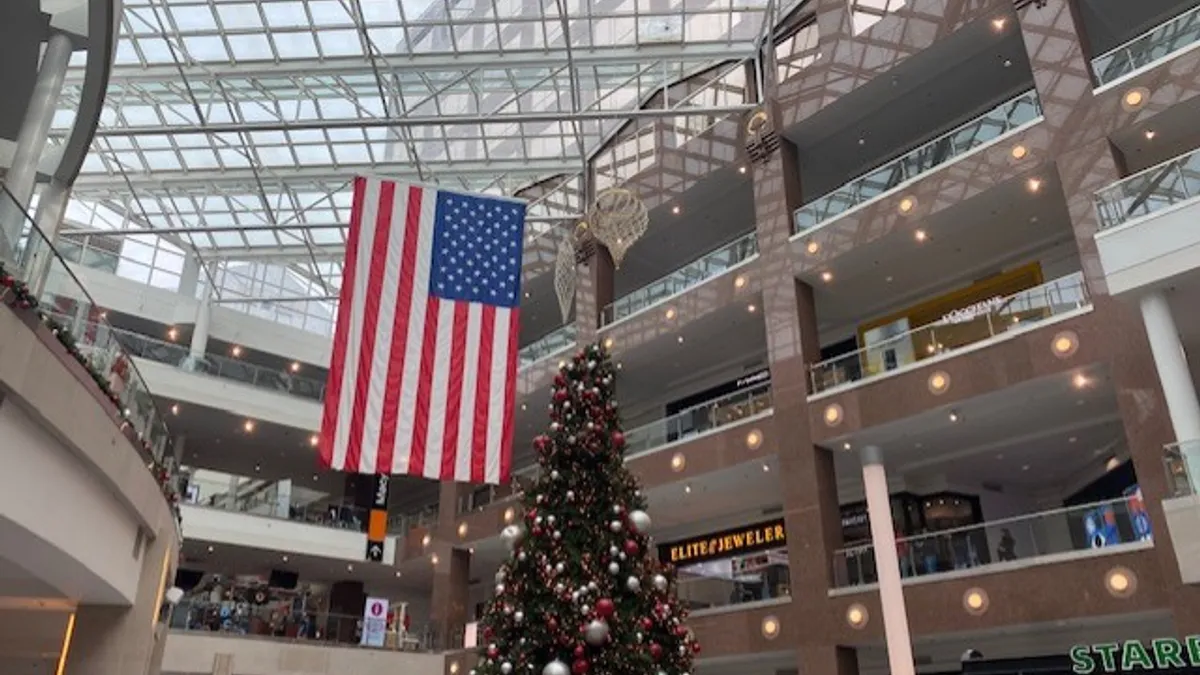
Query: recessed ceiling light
{"points": [[397, 574], [680, 339], [314, 440], [670, 313], [999, 23], [1019, 152], [295, 366], [846, 445], [742, 169], [766, 468], [1024, 467], [1080, 381], [172, 333], [907, 204], [236, 351], [826, 276], [1072, 439], [248, 426], [954, 416], [175, 409], [751, 308], [687, 489], [1135, 98], [210, 549], [675, 209], [813, 247], [524, 406], [1034, 184], [920, 235], [740, 281], [349, 568], [285, 558], [1112, 463], [1150, 134]]}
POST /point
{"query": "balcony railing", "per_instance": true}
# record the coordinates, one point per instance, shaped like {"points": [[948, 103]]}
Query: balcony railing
{"points": [[1182, 461], [724, 411], [1158, 43], [757, 577], [1172, 182], [282, 620], [1023, 538], [553, 342], [401, 523], [1016, 312], [703, 268], [1002, 120], [262, 498]]}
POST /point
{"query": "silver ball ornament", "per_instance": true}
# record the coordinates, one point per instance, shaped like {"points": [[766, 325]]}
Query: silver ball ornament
{"points": [[560, 567], [551, 519], [660, 583], [554, 474], [556, 667], [640, 521], [538, 521], [585, 609], [559, 588], [519, 616], [500, 576], [617, 509], [615, 526], [522, 556], [613, 550], [614, 568], [633, 584], [512, 536], [557, 535], [593, 586], [622, 555], [596, 633], [506, 668], [499, 589], [570, 495]]}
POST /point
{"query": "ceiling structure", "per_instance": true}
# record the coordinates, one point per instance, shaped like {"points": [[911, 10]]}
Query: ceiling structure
{"points": [[232, 128]]}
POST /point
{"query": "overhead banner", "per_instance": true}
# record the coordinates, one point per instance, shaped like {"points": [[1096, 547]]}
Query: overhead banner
{"points": [[374, 622], [377, 519], [725, 544]]}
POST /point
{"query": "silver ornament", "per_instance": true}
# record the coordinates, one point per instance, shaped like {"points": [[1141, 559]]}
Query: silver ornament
{"points": [[522, 641], [570, 495], [612, 550], [622, 555], [519, 616], [506, 668], [554, 474], [585, 609], [639, 636], [512, 536], [660, 582], [592, 586], [559, 568], [522, 556], [640, 520], [633, 584], [538, 521], [554, 426], [499, 589], [596, 633], [559, 588], [617, 509], [614, 568], [574, 596], [500, 576], [556, 667], [682, 650], [557, 535], [615, 526], [550, 519]]}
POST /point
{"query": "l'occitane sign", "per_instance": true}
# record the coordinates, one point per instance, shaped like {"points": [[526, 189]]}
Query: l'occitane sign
{"points": [[725, 544]]}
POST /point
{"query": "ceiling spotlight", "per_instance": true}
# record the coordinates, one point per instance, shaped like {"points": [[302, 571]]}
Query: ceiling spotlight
{"points": [[1072, 439], [742, 169], [687, 489], [425, 540], [1135, 98], [285, 558], [433, 559], [1112, 464], [1150, 134], [826, 276], [608, 343], [257, 468], [907, 204], [766, 468], [210, 549], [740, 281], [172, 333], [397, 574], [856, 616], [236, 351], [680, 339], [175, 409], [1080, 381], [999, 23], [248, 426], [524, 406], [1019, 152], [670, 313], [954, 416], [314, 440], [1034, 184], [675, 209], [846, 445], [751, 308], [920, 235], [349, 568], [813, 247], [678, 462], [295, 367]]}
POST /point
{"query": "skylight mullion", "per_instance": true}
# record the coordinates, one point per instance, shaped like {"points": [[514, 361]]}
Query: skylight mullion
{"points": [[451, 26]]}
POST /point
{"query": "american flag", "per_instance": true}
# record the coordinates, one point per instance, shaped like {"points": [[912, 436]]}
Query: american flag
{"points": [[424, 369]]}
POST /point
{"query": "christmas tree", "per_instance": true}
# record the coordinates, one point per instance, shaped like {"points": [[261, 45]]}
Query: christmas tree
{"points": [[582, 591]]}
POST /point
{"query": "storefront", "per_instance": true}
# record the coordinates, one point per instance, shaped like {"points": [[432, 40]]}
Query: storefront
{"points": [[959, 318], [1164, 656], [729, 567]]}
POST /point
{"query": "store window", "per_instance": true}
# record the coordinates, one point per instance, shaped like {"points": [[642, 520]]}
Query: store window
{"points": [[746, 564]]}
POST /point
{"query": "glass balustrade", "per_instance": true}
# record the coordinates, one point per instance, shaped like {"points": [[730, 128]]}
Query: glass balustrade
{"points": [[999, 121], [735, 581], [30, 258], [401, 523], [692, 274], [1182, 461], [977, 547], [954, 332], [1168, 38], [288, 620], [552, 343], [1172, 182], [724, 411], [266, 498]]}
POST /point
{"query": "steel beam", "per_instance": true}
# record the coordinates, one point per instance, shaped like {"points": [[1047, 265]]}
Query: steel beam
{"points": [[427, 121], [423, 63], [214, 229]]}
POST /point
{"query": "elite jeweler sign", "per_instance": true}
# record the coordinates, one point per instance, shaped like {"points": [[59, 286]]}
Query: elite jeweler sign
{"points": [[725, 544], [1163, 655]]}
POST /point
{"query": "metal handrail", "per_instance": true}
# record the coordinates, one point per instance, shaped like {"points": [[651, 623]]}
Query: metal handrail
{"points": [[1178, 25]]}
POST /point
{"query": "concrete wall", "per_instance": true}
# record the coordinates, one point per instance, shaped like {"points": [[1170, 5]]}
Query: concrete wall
{"points": [[192, 653], [1152, 249]]}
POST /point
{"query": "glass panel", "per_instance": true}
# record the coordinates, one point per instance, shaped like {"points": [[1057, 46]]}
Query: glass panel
{"points": [[978, 547], [997, 122], [735, 581], [1017, 311], [724, 411], [1168, 38], [552, 343], [1182, 461], [264, 498], [1172, 182], [707, 266]]}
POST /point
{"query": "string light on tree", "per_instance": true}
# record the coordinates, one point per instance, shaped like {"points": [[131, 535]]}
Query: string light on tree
{"points": [[580, 558]]}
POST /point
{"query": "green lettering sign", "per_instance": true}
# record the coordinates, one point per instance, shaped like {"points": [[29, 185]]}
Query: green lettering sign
{"points": [[1135, 657], [1193, 650], [1108, 655], [1168, 653], [1082, 661], [1132, 656]]}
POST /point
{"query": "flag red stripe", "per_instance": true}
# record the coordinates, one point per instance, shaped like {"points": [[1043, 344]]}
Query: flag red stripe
{"points": [[341, 336], [483, 395], [404, 299], [375, 276], [416, 465], [454, 389], [510, 394]]}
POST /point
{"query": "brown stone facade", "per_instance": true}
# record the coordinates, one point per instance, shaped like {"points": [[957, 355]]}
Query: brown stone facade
{"points": [[1071, 141]]}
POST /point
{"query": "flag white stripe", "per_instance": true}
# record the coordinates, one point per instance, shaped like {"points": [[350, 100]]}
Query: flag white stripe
{"points": [[362, 270], [499, 389], [381, 358], [435, 428], [407, 417], [466, 417]]}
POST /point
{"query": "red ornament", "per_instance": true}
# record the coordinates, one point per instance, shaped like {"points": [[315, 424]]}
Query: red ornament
{"points": [[618, 439], [605, 608], [537, 531], [541, 442], [552, 624], [560, 395], [656, 650], [631, 547], [681, 630], [696, 647], [579, 652], [580, 667], [647, 623], [559, 380], [492, 652]]}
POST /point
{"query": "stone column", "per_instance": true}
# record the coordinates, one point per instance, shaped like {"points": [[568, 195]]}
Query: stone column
{"points": [[122, 640], [887, 563], [828, 660], [50, 211], [347, 599], [189, 276], [1172, 367], [593, 293], [449, 611]]}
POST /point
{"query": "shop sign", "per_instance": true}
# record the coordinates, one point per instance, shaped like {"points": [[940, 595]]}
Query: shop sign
{"points": [[972, 311], [1131, 656], [374, 626], [754, 378], [725, 544]]}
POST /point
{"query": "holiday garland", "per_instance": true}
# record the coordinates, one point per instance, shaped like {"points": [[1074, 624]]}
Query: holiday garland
{"points": [[16, 293]]}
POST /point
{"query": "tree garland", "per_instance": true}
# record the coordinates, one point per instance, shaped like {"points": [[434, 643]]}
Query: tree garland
{"points": [[16, 293]]}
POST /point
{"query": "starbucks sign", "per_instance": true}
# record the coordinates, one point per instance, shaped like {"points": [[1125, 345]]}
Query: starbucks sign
{"points": [[1133, 656]]}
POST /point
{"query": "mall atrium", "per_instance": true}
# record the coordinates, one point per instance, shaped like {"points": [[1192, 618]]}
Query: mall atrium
{"points": [[901, 321]]}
